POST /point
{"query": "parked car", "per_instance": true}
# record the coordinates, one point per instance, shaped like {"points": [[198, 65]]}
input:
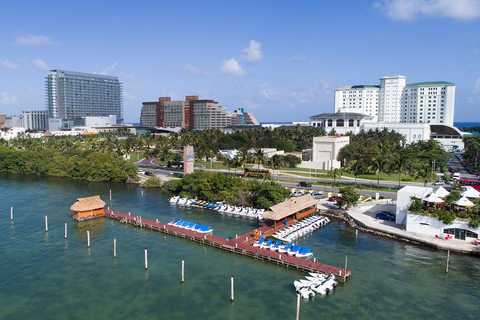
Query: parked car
{"points": [[141, 171], [439, 183], [297, 193], [318, 195], [385, 215], [334, 198], [451, 181], [304, 184], [148, 173]]}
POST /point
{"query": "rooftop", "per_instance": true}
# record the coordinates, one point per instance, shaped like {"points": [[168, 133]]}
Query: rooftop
{"points": [[430, 83]]}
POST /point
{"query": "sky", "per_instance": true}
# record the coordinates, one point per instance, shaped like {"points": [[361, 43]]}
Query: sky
{"points": [[279, 59]]}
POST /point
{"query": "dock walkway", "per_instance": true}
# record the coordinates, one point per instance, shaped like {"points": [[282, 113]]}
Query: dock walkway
{"points": [[240, 245]]}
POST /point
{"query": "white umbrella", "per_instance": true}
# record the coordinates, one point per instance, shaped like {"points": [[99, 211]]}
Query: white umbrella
{"points": [[464, 202], [432, 198], [442, 192], [470, 192]]}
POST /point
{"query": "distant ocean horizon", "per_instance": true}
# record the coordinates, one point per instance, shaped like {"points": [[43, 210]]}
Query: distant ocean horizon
{"points": [[461, 125]]}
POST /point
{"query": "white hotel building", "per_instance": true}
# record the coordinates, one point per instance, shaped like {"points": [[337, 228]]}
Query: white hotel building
{"points": [[395, 101], [419, 111]]}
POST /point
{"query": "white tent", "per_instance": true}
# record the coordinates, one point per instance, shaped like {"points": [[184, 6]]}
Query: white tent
{"points": [[442, 192], [464, 202], [470, 192], [432, 198]]}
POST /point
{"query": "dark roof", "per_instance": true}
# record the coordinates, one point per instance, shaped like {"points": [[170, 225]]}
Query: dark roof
{"points": [[343, 115]]}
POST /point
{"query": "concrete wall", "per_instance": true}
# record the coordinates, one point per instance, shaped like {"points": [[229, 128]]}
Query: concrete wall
{"points": [[430, 225], [403, 200]]}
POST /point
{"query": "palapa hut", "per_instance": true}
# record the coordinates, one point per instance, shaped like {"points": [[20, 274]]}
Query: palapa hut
{"points": [[293, 208], [88, 208], [441, 192], [433, 200], [463, 202], [470, 192]]}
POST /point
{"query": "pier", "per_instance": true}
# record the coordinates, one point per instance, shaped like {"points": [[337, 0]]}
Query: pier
{"points": [[240, 245]]}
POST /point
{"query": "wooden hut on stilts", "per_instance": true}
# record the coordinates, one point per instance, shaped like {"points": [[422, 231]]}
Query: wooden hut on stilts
{"points": [[88, 208]]}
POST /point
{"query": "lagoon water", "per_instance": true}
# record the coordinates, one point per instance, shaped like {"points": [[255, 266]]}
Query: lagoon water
{"points": [[44, 276]]}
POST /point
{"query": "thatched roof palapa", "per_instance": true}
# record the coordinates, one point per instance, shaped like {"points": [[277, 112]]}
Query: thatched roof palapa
{"points": [[89, 203], [289, 206]]}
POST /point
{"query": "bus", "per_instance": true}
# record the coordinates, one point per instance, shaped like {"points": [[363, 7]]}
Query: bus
{"points": [[257, 173], [472, 183]]}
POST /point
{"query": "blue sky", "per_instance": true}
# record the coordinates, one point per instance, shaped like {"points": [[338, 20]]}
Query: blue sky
{"points": [[281, 60]]}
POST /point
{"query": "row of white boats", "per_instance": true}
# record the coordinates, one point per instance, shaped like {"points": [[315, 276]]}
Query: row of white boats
{"points": [[315, 283], [220, 207], [291, 250], [301, 228]]}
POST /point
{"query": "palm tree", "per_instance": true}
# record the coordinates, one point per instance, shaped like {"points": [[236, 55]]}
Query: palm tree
{"points": [[402, 164], [335, 173], [356, 168], [259, 157], [378, 165], [275, 162]]}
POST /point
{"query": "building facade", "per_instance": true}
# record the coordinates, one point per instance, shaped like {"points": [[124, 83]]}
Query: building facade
{"points": [[35, 119], [192, 114], [70, 95], [395, 101]]}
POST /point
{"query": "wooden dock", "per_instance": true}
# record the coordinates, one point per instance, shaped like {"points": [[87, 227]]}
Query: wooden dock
{"points": [[241, 244]]}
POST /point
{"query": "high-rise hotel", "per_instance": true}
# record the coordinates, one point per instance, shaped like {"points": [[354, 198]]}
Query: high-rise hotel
{"points": [[395, 101], [73, 95]]}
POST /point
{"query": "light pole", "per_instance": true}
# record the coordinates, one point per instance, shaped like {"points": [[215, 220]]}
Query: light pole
{"points": [[433, 168]]}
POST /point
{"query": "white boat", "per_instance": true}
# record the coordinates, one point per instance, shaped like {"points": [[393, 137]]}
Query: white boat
{"points": [[304, 290], [182, 201], [174, 199]]}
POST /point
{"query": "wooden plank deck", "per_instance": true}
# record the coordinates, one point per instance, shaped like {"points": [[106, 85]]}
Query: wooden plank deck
{"points": [[241, 244]]}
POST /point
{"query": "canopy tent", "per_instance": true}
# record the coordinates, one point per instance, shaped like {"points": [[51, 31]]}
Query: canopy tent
{"points": [[464, 202], [442, 192], [470, 192], [432, 198]]}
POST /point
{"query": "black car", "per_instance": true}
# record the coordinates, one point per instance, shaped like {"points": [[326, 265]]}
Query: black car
{"points": [[304, 184], [148, 173]]}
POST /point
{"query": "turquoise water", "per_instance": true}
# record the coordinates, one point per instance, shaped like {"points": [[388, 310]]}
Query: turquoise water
{"points": [[44, 276]]}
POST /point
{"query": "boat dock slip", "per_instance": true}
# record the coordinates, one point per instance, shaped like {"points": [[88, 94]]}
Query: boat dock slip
{"points": [[241, 244]]}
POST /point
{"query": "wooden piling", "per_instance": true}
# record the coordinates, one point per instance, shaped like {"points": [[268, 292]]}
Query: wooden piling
{"points": [[114, 248], [183, 271], [11, 213], [231, 290], [298, 307], [65, 229], [110, 195], [345, 275], [448, 261], [356, 233], [146, 259], [46, 224], [88, 239]]}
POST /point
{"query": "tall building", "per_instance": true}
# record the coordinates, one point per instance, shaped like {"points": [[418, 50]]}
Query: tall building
{"points": [[70, 95], [192, 114], [395, 101], [35, 119], [240, 117]]}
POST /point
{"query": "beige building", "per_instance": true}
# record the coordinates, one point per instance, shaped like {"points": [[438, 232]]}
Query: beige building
{"points": [[325, 151]]}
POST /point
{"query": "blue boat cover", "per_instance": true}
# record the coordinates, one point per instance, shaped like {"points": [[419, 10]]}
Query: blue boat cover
{"points": [[296, 248]]}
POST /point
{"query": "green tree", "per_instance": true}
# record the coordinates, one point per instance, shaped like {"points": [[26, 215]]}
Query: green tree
{"points": [[349, 198]]}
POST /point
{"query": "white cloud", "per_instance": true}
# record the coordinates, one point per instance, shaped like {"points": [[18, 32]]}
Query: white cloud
{"points": [[108, 70], [232, 67], [128, 95], [476, 87], [297, 58], [408, 10], [194, 71], [250, 105], [40, 65], [9, 65], [34, 40], [270, 94], [253, 53], [6, 98]]}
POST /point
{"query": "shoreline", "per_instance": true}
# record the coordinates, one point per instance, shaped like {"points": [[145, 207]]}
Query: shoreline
{"points": [[410, 238]]}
